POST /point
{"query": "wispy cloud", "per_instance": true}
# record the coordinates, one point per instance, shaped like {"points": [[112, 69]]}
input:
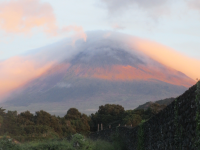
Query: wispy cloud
{"points": [[115, 5], [194, 4], [117, 27], [149, 6], [23, 16], [148, 9], [167, 56], [16, 71]]}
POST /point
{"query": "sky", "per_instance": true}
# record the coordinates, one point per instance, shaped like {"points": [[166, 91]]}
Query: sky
{"points": [[29, 24]]}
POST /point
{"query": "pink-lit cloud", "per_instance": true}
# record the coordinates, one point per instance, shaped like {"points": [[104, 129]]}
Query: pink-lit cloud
{"points": [[22, 16], [130, 73], [17, 71], [167, 56], [117, 27]]}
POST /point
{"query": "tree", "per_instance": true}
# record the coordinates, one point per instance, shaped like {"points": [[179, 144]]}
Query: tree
{"points": [[25, 118], [55, 124], [132, 119], [9, 124], [111, 109], [152, 110], [72, 114], [2, 113], [45, 119], [107, 114], [80, 122], [42, 118], [1, 120]]}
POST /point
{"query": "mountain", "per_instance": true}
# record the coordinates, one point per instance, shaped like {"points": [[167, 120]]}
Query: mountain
{"points": [[101, 71], [161, 104], [166, 101]]}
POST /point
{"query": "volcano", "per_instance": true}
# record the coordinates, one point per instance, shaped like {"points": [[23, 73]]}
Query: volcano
{"points": [[101, 70]]}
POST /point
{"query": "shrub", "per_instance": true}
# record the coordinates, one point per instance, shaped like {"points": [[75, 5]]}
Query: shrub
{"points": [[117, 141], [7, 144], [77, 142], [80, 142], [47, 145]]}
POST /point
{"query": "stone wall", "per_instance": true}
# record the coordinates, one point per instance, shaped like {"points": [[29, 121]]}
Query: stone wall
{"points": [[163, 131]]}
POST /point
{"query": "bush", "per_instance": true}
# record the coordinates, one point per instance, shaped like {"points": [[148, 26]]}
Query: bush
{"points": [[118, 142], [80, 142], [102, 145], [77, 141], [7, 144], [47, 145]]}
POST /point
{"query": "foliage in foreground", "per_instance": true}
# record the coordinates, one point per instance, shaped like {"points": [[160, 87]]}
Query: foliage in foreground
{"points": [[77, 142], [28, 127], [112, 114], [118, 142], [7, 144]]}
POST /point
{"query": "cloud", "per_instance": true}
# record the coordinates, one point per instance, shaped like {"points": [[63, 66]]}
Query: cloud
{"points": [[106, 35], [16, 71], [115, 5], [194, 4], [63, 85], [150, 6], [118, 27], [167, 56], [143, 49], [19, 70], [22, 16]]}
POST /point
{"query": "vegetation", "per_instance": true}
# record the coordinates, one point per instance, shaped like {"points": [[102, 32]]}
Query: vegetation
{"points": [[42, 125], [113, 115], [76, 142], [118, 142], [140, 143], [178, 128], [7, 144], [43, 131], [197, 100], [106, 115]]}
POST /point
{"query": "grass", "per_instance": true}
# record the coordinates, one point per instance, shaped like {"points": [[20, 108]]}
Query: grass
{"points": [[78, 142]]}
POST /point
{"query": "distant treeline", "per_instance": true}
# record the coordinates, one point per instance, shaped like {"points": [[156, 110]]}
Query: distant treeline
{"points": [[42, 125]]}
